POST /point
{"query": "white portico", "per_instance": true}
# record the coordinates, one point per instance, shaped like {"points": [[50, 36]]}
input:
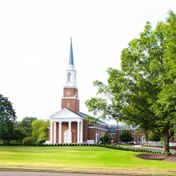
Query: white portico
{"points": [[66, 127]]}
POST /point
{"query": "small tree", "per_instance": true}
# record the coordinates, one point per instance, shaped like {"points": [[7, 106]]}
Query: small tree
{"points": [[40, 130], [126, 136], [104, 139], [28, 141]]}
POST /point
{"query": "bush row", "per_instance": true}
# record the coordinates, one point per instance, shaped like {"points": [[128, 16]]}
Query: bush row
{"points": [[72, 144]]}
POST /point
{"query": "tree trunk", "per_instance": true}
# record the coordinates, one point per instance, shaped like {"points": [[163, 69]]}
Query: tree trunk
{"points": [[166, 149], [146, 137]]}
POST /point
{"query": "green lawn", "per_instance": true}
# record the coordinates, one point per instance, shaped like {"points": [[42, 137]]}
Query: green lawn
{"points": [[80, 159]]}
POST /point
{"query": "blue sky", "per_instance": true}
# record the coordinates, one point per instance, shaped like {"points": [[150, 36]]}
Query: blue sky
{"points": [[34, 46]]}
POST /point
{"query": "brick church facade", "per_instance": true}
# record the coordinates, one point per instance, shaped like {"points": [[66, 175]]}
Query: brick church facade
{"points": [[69, 125]]}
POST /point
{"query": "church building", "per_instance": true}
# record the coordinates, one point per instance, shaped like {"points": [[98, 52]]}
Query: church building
{"points": [[69, 125]]}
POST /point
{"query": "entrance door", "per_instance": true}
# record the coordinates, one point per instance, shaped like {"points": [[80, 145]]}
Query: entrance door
{"points": [[67, 136]]}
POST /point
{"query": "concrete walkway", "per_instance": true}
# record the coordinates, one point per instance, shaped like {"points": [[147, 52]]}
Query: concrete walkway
{"points": [[153, 149]]}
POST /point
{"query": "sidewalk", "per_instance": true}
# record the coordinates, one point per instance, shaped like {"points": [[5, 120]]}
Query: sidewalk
{"points": [[154, 149]]}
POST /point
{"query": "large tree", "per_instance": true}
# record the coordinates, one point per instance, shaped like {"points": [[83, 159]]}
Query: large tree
{"points": [[143, 92], [7, 116]]}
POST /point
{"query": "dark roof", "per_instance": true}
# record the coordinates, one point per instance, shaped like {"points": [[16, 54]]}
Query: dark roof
{"points": [[85, 115], [96, 126], [112, 129]]}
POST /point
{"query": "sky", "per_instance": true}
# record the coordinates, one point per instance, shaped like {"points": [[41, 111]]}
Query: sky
{"points": [[35, 42]]}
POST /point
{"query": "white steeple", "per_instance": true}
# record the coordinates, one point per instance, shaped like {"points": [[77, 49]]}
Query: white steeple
{"points": [[71, 72]]}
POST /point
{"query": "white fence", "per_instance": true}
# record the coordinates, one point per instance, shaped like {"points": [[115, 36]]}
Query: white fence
{"points": [[159, 144]]}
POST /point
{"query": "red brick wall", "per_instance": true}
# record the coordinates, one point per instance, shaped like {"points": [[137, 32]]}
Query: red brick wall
{"points": [[134, 135], [73, 104], [74, 92], [85, 130], [74, 132], [113, 139], [92, 132]]}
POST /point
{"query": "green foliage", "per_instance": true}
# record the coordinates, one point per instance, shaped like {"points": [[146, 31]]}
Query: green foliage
{"points": [[126, 136], [6, 131], [154, 137], [18, 135], [28, 141], [143, 91], [6, 110], [105, 138], [26, 125], [7, 116], [40, 130], [167, 153], [91, 119]]}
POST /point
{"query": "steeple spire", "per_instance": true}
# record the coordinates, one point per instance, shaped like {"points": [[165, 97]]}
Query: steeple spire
{"points": [[71, 72], [70, 94], [71, 59]]}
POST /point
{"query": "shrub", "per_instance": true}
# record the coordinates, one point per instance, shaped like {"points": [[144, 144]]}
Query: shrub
{"points": [[27, 141], [167, 153]]}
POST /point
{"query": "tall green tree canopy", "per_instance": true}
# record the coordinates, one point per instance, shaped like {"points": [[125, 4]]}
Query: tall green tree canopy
{"points": [[143, 92], [6, 109], [7, 116]]}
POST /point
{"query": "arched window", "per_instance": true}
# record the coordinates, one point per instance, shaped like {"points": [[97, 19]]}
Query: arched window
{"points": [[68, 77]]}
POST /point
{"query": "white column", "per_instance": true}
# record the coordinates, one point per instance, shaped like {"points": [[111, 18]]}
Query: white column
{"points": [[60, 132], [96, 137], [54, 132], [81, 133], [69, 129], [78, 132], [51, 132]]}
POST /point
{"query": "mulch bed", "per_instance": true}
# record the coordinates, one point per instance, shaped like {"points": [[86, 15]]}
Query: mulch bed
{"points": [[151, 156]]}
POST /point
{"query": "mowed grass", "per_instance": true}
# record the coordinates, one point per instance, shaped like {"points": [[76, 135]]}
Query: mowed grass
{"points": [[87, 158]]}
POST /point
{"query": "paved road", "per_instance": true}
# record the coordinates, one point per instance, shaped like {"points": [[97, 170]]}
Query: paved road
{"points": [[21, 173]]}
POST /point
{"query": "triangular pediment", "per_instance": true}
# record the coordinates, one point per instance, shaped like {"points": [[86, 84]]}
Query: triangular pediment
{"points": [[64, 114]]}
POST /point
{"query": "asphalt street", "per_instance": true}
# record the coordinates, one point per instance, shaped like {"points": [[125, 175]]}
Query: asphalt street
{"points": [[22, 173]]}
